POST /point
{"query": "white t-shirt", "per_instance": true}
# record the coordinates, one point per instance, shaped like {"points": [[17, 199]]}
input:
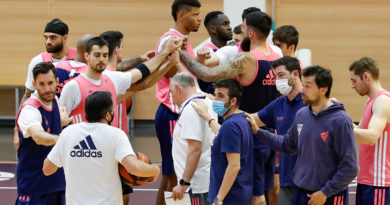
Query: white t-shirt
{"points": [[71, 97], [29, 116], [191, 126], [89, 153], [37, 59], [228, 52]]}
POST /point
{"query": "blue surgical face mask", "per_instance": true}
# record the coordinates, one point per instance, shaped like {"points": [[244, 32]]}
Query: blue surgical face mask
{"points": [[219, 107]]}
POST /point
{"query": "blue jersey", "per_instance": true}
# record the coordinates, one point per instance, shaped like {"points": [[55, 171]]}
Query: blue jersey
{"points": [[279, 115], [234, 136], [30, 178]]}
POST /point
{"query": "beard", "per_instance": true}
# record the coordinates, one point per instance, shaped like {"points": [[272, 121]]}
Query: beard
{"points": [[246, 44], [100, 67], [48, 96], [55, 49]]}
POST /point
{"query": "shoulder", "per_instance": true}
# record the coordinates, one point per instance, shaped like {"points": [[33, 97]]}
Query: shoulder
{"points": [[37, 59], [71, 85]]}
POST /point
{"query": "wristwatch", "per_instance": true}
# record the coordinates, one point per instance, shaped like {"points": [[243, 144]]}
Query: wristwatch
{"points": [[217, 201], [182, 182]]}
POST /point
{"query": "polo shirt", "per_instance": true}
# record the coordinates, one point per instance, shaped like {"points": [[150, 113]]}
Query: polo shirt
{"points": [[279, 115]]}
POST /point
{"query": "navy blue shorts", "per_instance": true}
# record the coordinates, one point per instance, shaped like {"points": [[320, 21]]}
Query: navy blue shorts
{"points": [[368, 195], [263, 170], [126, 189], [300, 197], [165, 122], [57, 198]]}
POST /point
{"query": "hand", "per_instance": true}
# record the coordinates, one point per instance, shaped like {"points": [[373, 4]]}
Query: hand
{"points": [[178, 191], [185, 41], [209, 96], [252, 122], [65, 119], [203, 54], [317, 198], [173, 44], [148, 55], [16, 139], [174, 58], [202, 109]]}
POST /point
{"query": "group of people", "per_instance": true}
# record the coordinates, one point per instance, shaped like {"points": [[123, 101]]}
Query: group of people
{"points": [[72, 125]]}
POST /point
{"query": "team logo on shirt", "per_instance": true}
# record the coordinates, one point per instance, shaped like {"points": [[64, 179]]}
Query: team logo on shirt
{"points": [[299, 128], [324, 136], [269, 78], [86, 148]]}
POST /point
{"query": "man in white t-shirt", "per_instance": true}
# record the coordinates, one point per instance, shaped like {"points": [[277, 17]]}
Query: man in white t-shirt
{"points": [[90, 152], [192, 139], [77, 90]]}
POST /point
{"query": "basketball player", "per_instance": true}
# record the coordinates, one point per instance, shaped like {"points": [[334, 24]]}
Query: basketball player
{"points": [[186, 14], [116, 83], [69, 69], [372, 132], [322, 136], [90, 152], [39, 123], [253, 71], [56, 37], [218, 27]]}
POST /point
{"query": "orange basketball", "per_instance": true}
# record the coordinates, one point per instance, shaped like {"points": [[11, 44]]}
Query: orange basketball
{"points": [[131, 179]]}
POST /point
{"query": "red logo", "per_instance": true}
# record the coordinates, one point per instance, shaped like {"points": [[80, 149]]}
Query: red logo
{"points": [[270, 78], [324, 136], [280, 118]]}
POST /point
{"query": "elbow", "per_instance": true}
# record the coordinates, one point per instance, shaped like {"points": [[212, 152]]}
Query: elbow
{"points": [[373, 140], [135, 169], [46, 172]]}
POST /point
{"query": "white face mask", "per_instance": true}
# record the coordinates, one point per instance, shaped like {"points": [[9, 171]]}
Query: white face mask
{"points": [[283, 87]]}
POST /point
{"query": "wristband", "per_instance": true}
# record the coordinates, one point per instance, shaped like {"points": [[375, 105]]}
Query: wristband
{"points": [[143, 69], [211, 120]]}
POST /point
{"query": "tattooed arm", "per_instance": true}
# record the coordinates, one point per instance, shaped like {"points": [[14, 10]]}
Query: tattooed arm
{"points": [[129, 63], [234, 68]]}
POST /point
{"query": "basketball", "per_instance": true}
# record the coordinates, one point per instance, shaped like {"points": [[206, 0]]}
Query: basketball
{"points": [[131, 179]]}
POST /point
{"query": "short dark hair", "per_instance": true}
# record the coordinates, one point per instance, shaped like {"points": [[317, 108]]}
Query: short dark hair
{"points": [[287, 34], [234, 88], [180, 5], [363, 65], [248, 11], [237, 29], [323, 77], [97, 105], [95, 41], [114, 39], [291, 64], [43, 68], [210, 17], [260, 21]]}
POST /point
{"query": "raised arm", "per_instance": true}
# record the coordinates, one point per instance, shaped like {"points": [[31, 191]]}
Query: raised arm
{"points": [[235, 67], [129, 63], [153, 64], [379, 119]]}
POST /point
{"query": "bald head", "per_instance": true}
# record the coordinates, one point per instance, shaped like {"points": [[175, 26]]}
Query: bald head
{"points": [[82, 46]]}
